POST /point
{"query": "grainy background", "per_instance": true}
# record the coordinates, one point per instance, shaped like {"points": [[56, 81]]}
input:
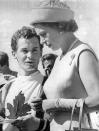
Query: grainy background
{"points": [[16, 13]]}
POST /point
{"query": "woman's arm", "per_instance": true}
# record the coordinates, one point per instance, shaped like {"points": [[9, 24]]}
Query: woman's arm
{"points": [[89, 74]]}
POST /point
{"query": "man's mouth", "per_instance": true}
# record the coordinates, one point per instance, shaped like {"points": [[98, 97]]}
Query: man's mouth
{"points": [[30, 62]]}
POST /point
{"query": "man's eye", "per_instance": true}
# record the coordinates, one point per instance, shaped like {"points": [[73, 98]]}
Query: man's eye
{"points": [[35, 50], [25, 51]]}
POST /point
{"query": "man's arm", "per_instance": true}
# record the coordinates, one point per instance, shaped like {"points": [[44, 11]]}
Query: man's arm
{"points": [[9, 127], [32, 123]]}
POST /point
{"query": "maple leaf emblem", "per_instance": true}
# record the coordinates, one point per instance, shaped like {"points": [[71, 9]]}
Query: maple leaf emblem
{"points": [[19, 107]]}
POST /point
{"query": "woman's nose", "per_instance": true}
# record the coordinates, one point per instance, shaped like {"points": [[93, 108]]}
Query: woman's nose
{"points": [[45, 41]]}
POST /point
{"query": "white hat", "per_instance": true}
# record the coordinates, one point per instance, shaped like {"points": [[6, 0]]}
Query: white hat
{"points": [[51, 11]]}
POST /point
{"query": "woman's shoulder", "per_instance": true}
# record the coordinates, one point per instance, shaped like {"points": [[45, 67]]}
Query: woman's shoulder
{"points": [[80, 46]]}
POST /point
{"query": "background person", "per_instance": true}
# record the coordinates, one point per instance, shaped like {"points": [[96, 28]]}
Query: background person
{"points": [[6, 73], [48, 63]]}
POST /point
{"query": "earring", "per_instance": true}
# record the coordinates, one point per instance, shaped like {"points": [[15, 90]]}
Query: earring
{"points": [[61, 32]]}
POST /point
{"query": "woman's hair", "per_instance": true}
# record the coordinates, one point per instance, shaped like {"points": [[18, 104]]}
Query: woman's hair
{"points": [[24, 32], [66, 26], [4, 59]]}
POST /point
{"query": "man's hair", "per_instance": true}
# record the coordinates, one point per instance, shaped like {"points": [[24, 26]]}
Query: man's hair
{"points": [[24, 32], [66, 26], [4, 59]]}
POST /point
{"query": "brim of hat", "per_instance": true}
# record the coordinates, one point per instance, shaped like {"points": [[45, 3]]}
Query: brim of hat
{"points": [[51, 15]]}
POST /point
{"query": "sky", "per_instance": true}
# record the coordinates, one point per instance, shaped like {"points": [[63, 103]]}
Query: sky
{"points": [[16, 13]]}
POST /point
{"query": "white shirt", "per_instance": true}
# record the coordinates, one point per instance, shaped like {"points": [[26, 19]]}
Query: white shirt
{"points": [[29, 85]]}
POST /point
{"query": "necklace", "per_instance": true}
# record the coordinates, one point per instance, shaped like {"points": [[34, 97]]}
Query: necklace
{"points": [[71, 46]]}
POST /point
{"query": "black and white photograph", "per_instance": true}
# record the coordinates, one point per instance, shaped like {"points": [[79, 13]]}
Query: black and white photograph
{"points": [[49, 65]]}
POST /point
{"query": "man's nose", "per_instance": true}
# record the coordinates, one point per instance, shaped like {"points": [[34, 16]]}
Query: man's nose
{"points": [[29, 55]]}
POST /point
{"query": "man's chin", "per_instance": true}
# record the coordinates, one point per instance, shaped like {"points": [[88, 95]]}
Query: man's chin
{"points": [[32, 70]]}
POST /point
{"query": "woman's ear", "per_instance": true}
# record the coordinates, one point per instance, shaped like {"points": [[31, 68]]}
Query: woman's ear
{"points": [[14, 54]]}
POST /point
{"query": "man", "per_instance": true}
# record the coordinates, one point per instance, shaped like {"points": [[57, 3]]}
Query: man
{"points": [[27, 50], [48, 62]]}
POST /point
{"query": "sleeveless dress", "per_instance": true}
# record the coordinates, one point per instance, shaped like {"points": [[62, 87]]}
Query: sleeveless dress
{"points": [[65, 82]]}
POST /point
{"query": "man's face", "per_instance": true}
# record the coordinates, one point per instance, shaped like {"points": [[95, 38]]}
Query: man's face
{"points": [[28, 54], [48, 64]]}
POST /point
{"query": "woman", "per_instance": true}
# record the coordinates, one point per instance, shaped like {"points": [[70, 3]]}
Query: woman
{"points": [[75, 74]]}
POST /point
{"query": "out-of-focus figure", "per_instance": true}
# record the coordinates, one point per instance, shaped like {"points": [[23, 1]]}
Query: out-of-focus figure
{"points": [[48, 62], [6, 73]]}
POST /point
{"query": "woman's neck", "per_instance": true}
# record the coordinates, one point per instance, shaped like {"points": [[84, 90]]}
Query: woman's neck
{"points": [[68, 40]]}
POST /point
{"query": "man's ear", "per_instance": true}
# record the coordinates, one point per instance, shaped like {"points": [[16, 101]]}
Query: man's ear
{"points": [[14, 54], [41, 52]]}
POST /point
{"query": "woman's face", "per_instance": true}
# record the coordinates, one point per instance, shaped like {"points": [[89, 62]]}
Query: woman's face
{"points": [[49, 36], [28, 54]]}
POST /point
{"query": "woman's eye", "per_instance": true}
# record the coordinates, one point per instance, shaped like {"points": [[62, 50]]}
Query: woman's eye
{"points": [[43, 34]]}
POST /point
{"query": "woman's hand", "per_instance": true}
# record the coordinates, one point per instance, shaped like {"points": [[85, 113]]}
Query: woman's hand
{"points": [[46, 105], [28, 122]]}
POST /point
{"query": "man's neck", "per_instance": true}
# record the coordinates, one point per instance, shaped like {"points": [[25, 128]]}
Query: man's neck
{"points": [[26, 73]]}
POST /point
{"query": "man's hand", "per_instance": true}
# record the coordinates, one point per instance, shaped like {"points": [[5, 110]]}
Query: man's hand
{"points": [[28, 122]]}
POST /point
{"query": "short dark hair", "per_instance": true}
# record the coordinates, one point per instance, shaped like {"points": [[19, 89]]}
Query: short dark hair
{"points": [[4, 59], [66, 26], [24, 32]]}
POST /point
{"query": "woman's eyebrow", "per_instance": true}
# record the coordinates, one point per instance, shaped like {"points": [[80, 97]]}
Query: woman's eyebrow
{"points": [[42, 33]]}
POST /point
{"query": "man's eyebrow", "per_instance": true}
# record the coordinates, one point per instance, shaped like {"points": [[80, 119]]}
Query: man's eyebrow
{"points": [[36, 47], [24, 48]]}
